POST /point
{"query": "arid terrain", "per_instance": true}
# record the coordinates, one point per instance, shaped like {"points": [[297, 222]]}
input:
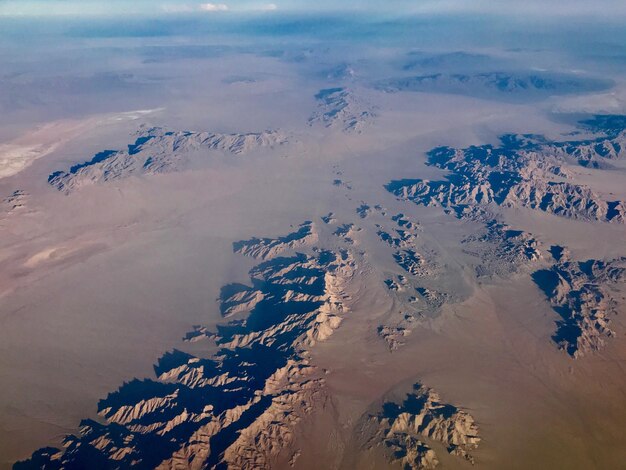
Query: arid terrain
{"points": [[276, 242]]}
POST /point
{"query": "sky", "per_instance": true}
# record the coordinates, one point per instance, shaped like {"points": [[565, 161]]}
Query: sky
{"points": [[609, 9]]}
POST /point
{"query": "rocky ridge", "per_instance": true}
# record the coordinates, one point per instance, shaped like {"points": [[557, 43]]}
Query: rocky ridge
{"points": [[15, 202], [158, 150], [580, 292], [407, 431], [240, 407], [264, 248], [501, 250], [523, 171], [340, 108], [503, 84], [409, 289]]}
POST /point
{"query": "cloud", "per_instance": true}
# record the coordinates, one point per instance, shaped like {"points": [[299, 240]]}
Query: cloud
{"points": [[189, 8], [558, 9], [268, 7], [204, 7], [213, 7]]}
